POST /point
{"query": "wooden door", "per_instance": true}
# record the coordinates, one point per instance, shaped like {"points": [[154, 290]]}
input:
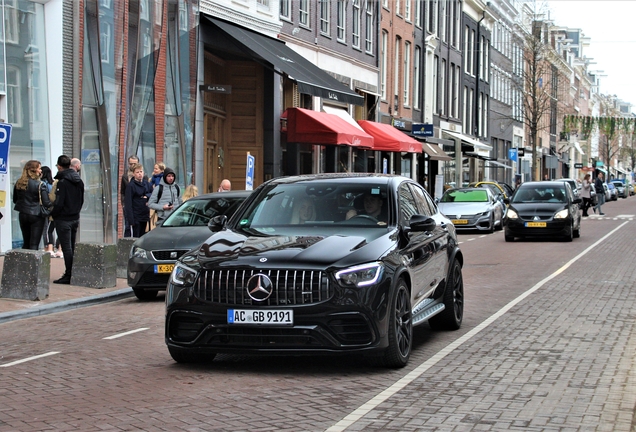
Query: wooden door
{"points": [[215, 151]]}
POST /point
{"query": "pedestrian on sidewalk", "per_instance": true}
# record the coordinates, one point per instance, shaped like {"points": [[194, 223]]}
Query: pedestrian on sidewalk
{"points": [[586, 190], [48, 235], [29, 195], [136, 208], [166, 196], [600, 193], [69, 200]]}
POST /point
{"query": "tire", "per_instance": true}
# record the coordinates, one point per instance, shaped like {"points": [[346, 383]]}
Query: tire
{"points": [[400, 329], [452, 316], [186, 356], [500, 226], [145, 295], [509, 239], [491, 227], [570, 236], [577, 232]]}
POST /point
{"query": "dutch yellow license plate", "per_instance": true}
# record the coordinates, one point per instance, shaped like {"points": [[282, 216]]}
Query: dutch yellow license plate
{"points": [[536, 224], [460, 221], [164, 268]]}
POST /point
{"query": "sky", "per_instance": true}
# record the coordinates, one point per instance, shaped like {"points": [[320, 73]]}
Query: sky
{"points": [[611, 27]]}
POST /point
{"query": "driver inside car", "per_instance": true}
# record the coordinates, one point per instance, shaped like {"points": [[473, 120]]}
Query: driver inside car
{"points": [[372, 207]]}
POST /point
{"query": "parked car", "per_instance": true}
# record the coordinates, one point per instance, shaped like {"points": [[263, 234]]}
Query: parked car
{"points": [[473, 209], [152, 256], [543, 209], [608, 194], [500, 190], [347, 279], [621, 188], [630, 187], [613, 192], [574, 185]]}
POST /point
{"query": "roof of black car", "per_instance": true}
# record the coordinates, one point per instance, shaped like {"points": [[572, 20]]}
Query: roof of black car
{"points": [[353, 177]]}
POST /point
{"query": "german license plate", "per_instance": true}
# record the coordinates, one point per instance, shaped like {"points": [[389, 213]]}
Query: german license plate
{"points": [[260, 316], [460, 221], [164, 268], [536, 224]]}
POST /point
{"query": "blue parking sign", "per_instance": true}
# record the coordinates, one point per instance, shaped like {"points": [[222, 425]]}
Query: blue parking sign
{"points": [[512, 154], [5, 141], [249, 173]]}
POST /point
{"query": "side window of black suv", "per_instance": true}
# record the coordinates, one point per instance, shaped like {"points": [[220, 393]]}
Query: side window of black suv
{"points": [[424, 203], [408, 206]]}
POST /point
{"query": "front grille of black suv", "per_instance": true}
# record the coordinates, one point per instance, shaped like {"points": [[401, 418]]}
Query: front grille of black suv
{"points": [[290, 287]]}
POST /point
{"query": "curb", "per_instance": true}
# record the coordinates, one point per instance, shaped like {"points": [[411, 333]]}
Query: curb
{"points": [[66, 305]]}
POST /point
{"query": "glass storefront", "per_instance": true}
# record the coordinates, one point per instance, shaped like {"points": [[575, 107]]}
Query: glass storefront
{"points": [[26, 93]]}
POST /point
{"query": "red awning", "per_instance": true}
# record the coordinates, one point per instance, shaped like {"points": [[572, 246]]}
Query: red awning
{"points": [[313, 127], [388, 138]]}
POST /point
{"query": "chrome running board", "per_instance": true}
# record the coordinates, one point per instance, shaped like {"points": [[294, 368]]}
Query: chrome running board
{"points": [[424, 311]]}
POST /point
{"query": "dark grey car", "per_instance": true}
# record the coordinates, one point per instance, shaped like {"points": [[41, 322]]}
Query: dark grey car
{"points": [[152, 256]]}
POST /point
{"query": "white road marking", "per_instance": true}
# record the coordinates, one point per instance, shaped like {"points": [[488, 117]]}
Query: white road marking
{"points": [[126, 333], [418, 371], [30, 358]]}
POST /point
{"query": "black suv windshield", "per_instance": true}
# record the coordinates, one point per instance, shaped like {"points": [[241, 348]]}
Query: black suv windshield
{"points": [[316, 204]]}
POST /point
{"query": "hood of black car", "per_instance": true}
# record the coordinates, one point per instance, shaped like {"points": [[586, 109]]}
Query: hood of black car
{"points": [[173, 238], [228, 248], [539, 209]]}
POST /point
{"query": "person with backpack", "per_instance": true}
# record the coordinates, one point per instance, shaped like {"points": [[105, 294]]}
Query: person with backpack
{"points": [[166, 196]]}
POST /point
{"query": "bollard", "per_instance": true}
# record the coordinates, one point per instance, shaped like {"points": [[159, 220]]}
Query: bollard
{"points": [[26, 275]]}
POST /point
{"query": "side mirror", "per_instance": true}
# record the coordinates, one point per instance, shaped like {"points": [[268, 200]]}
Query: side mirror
{"points": [[421, 223], [217, 223]]}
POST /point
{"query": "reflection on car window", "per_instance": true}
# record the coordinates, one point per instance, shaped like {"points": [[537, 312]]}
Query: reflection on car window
{"points": [[475, 195], [288, 205], [540, 194], [198, 212]]}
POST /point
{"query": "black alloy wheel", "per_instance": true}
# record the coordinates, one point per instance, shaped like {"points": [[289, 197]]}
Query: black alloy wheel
{"points": [[453, 314], [400, 328]]}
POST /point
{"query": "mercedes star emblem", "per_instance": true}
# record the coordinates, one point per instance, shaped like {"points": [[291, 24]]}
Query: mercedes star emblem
{"points": [[259, 287]]}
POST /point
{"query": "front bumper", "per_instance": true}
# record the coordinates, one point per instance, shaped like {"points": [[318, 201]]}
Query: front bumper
{"points": [[351, 320], [553, 228], [146, 273]]}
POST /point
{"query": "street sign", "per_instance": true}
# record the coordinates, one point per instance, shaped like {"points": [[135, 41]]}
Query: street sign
{"points": [[249, 173], [5, 142], [421, 129], [512, 154], [521, 152], [578, 165]]}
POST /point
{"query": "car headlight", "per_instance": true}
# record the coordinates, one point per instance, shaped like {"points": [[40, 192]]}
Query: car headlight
{"points": [[360, 276], [561, 214], [183, 275], [511, 214], [137, 252]]}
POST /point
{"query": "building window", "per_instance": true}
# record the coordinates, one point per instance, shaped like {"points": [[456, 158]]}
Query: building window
{"points": [[418, 13], [342, 20], [385, 42], [442, 90], [396, 73], [465, 109], [416, 77], [325, 8], [466, 48], [285, 9], [263, 3], [12, 27], [303, 11], [104, 41], [435, 86], [407, 73], [442, 25], [14, 97], [355, 26], [432, 16], [368, 38], [407, 10]]}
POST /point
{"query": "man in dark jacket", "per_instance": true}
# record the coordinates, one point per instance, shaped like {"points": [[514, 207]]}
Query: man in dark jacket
{"points": [[600, 193], [69, 199]]}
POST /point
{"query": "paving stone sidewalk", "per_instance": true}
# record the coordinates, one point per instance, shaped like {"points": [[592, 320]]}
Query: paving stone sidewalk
{"points": [[563, 359], [61, 297]]}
